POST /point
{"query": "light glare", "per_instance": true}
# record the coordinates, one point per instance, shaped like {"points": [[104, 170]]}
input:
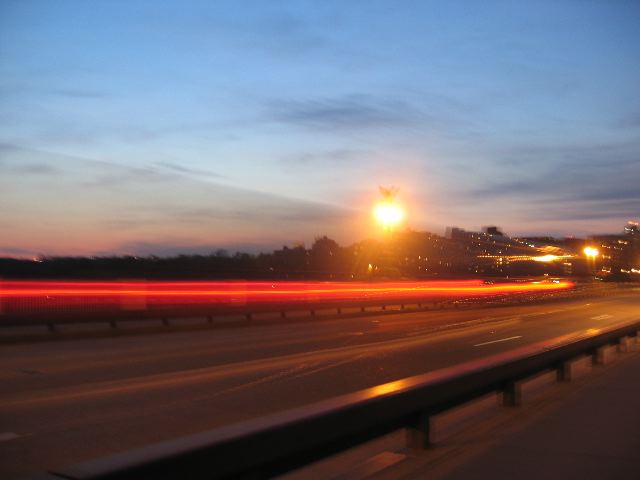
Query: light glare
{"points": [[388, 214], [546, 258], [591, 252]]}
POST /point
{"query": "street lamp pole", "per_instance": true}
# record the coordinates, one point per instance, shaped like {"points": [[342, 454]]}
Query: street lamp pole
{"points": [[591, 253]]}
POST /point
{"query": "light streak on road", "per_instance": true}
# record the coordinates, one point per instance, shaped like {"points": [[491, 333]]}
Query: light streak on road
{"points": [[282, 292], [498, 341]]}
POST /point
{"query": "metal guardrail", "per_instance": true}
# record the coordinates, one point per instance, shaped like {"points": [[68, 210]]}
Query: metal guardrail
{"points": [[282, 442], [211, 313]]}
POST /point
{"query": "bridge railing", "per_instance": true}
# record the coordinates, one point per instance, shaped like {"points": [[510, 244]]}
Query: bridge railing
{"points": [[114, 316], [285, 441]]}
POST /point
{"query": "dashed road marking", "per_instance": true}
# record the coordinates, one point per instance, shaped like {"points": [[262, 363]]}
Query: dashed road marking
{"points": [[602, 317], [497, 341], [5, 436]]}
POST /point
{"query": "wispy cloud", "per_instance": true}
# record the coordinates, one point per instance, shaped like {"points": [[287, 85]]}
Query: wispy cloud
{"points": [[630, 120], [347, 112], [12, 251], [171, 249], [29, 168], [37, 168], [175, 167], [335, 156], [12, 161], [574, 183], [121, 204], [31, 89], [624, 209], [106, 174]]}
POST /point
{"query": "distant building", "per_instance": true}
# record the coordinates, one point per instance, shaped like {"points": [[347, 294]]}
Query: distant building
{"points": [[492, 252], [632, 229], [619, 253], [493, 230]]}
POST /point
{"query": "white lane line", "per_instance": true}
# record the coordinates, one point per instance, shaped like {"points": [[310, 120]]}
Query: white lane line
{"points": [[4, 436], [496, 341], [602, 317]]}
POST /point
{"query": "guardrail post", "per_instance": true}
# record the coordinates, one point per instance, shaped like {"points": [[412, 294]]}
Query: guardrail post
{"points": [[598, 356], [402, 306], [283, 314], [564, 372], [623, 345], [313, 312], [165, 321], [384, 307], [209, 319], [512, 394], [113, 324], [52, 327], [363, 309], [339, 310], [418, 435], [419, 305], [248, 316]]}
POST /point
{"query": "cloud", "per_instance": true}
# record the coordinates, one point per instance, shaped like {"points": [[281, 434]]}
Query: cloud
{"points": [[16, 160], [347, 112], [559, 183], [112, 175], [77, 93], [29, 168], [63, 92], [187, 170], [7, 149], [106, 205], [567, 172], [247, 207], [622, 152], [578, 187], [172, 249], [335, 156], [12, 251], [588, 211], [630, 120]]}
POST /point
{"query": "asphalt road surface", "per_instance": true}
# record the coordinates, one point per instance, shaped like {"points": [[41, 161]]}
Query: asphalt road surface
{"points": [[66, 401]]}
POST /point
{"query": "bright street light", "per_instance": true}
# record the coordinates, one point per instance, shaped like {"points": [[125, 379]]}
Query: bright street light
{"points": [[591, 252], [388, 214]]}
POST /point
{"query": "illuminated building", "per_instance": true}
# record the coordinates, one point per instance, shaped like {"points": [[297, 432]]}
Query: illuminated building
{"points": [[619, 253]]}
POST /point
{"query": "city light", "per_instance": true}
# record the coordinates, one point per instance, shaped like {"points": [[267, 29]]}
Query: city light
{"points": [[546, 258], [591, 252]]}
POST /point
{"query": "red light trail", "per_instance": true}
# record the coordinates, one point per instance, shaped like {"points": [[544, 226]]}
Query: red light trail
{"points": [[109, 292]]}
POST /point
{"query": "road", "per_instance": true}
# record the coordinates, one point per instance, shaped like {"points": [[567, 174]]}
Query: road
{"points": [[66, 401]]}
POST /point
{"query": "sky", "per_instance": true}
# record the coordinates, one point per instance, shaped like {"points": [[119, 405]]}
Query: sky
{"points": [[145, 127]]}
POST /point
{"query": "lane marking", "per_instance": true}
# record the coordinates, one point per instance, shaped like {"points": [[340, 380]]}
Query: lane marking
{"points": [[5, 436], [602, 317], [497, 341]]}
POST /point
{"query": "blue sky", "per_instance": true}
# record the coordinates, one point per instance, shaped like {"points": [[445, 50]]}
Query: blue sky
{"points": [[158, 127]]}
